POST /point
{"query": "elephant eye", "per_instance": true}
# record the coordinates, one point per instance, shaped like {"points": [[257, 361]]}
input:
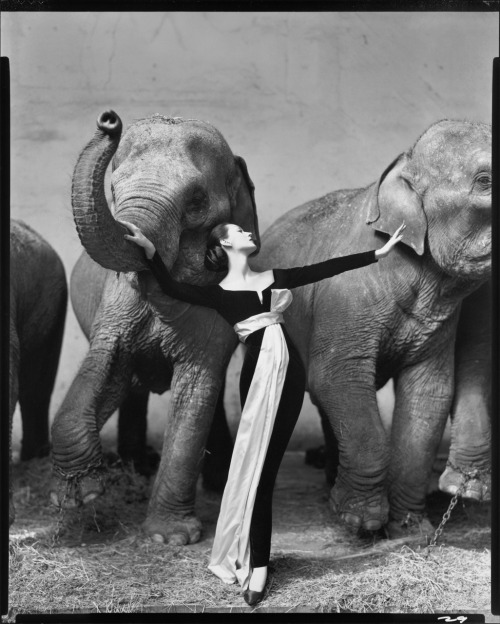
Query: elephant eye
{"points": [[482, 182], [199, 200]]}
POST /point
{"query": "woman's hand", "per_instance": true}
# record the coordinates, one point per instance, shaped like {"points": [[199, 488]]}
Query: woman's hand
{"points": [[138, 238], [389, 246]]}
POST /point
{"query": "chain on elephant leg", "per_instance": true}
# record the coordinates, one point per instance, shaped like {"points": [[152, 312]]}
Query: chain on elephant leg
{"points": [[467, 476], [477, 485], [70, 517], [78, 487]]}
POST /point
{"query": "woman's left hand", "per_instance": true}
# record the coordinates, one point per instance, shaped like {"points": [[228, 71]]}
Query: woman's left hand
{"points": [[138, 238], [391, 243]]}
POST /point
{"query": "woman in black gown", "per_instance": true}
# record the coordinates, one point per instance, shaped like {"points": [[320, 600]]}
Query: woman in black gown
{"points": [[272, 386]]}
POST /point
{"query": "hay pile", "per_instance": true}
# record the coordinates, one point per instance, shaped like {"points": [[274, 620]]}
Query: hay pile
{"points": [[97, 559], [448, 579]]}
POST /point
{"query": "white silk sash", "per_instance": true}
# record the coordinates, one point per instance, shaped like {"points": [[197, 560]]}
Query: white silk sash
{"points": [[230, 559], [253, 323]]}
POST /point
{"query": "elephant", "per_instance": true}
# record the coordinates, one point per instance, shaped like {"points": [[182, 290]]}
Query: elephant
{"points": [[398, 319], [38, 299], [176, 179]]}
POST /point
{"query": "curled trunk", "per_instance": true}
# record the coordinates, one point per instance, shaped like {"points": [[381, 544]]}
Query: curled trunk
{"points": [[99, 232]]}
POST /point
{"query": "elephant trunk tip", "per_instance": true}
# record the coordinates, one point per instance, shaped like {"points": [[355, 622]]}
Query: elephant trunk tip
{"points": [[110, 123]]}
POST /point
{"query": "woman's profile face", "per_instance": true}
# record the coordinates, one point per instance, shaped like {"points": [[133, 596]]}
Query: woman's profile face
{"points": [[238, 239]]}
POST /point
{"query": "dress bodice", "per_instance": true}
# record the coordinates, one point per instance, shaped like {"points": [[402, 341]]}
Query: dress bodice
{"points": [[238, 305], [280, 300]]}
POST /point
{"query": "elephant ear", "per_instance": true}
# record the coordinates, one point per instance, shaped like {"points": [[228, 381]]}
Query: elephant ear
{"points": [[393, 200], [243, 208]]}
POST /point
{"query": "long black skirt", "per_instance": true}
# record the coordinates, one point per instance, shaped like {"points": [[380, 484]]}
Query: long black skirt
{"points": [[287, 415]]}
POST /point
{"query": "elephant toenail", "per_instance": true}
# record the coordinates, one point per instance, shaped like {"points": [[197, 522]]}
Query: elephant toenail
{"points": [[158, 538], [90, 497], [352, 520], [54, 499], [177, 539], [372, 525], [195, 537]]}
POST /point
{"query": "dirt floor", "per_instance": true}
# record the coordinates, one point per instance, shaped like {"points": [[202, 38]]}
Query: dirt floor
{"points": [[96, 559]]}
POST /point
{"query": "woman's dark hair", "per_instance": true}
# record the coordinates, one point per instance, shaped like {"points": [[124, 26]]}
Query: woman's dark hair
{"points": [[215, 256]]}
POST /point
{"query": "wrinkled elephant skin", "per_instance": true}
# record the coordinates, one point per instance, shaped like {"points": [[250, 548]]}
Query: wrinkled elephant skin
{"points": [[38, 298], [397, 319], [175, 179]]}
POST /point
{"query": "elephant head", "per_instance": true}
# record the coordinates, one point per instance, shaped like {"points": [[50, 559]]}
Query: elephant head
{"points": [[441, 189], [174, 178]]}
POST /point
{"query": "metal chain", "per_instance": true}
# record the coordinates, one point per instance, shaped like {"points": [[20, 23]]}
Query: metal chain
{"points": [[71, 479], [446, 517], [93, 466], [467, 476]]}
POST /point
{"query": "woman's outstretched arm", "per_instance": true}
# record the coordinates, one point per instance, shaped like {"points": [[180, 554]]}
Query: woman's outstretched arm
{"points": [[190, 293], [300, 276]]}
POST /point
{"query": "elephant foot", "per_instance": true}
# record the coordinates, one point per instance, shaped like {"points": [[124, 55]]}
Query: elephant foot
{"points": [[360, 512], [412, 525], [173, 530], [68, 493], [477, 485]]}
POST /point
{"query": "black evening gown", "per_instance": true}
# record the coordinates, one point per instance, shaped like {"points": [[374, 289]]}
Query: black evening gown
{"points": [[272, 386]]}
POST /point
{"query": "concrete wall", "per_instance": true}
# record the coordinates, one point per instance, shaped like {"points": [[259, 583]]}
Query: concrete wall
{"points": [[312, 101]]}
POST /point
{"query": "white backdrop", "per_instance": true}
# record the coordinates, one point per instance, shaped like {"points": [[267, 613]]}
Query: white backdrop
{"points": [[312, 101]]}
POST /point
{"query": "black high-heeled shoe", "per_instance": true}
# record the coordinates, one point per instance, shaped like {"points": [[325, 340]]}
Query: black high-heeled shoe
{"points": [[252, 597]]}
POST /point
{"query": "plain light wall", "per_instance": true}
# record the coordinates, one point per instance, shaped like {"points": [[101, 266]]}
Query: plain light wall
{"points": [[313, 102]]}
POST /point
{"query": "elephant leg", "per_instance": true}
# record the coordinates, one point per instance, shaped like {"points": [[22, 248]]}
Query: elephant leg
{"points": [[346, 396], [171, 514], [331, 450], [132, 430], [37, 376], [96, 392], [470, 453], [219, 448], [423, 399]]}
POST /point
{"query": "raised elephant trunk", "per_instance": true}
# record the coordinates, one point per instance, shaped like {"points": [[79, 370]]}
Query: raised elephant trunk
{"points": [[99, 232]]}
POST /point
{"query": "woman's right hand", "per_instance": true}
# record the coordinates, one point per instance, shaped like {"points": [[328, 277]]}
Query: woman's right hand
{"points": [[138, 238]]}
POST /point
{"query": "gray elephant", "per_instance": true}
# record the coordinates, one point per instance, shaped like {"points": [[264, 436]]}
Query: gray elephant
{"points": [[398, 319], [175, 179], [38, 298]]}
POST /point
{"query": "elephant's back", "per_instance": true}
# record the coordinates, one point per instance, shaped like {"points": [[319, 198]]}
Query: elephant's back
{"points": [[29, 249], [87, 284]]}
